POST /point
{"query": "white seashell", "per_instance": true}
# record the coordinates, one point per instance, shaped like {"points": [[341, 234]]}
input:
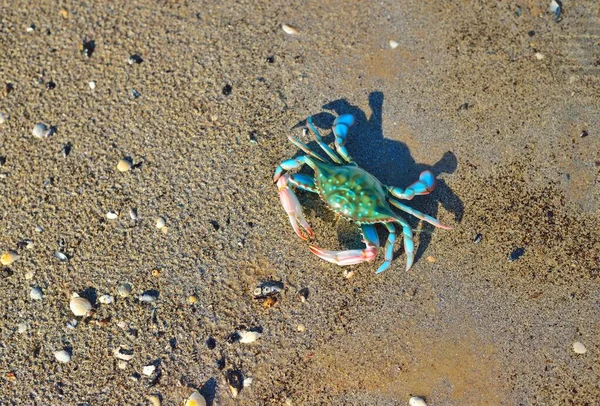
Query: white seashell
{"points": [[35, 293], [111, 215], [147, 298], [133, 213], [393, 44], [9, 257], [40, 130], [106, 299], [124, 355], [22, 327], [92, 84], [579, 348], [416, 401], [288, 29], [539, 56], [160, 222], [247, 337], [124, 165], [195, 399], [124, 289], [60, 256], [62, 356], [148, 370], [348, 274], [80, 306]]}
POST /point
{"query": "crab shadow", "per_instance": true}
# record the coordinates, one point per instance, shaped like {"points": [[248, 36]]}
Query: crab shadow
{"points": [[392, 163]]}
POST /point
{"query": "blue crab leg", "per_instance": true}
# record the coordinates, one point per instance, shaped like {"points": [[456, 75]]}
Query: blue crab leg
{"points": [[303, 182], [292, 207], [290, 164], [423, 186], [409, 245], [340, 130], [321, 143], [352, 257], [305, 148], [389, 247], [418, 214]]}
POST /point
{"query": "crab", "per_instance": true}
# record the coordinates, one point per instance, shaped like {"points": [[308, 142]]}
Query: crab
{"points": [[352, 193]]}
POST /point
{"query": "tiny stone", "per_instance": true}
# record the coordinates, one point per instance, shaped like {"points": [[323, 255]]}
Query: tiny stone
{"points": [[50, 85], [579, 348], [106, 299], [160, 222], [155, 400], [72, 323], [8, 257], [430, 259], [39, 229], [29, 275], [348, 274], [3, 118], [583, 134], [122, 364], [40, 130], [135, 93], [124, 165], [148, 370], [227, 90], [133, 213], [192, 299], [35, 293], [124, 289], [21, 328], [147, 298], [301, 328], [64, 13], [62, 356], [111, 215], [31, 28], [135, 59], [539, 56], [478, 238], [416, 401], [92, 84], [393, 44]]}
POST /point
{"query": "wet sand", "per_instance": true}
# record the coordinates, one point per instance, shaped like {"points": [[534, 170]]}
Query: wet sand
{"points": [[492, 97]]}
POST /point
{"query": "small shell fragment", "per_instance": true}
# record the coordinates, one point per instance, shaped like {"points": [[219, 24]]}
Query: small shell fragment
{"points": [[192, 299], [235, 381], [301, 328], [148, 370], [36, 293], [303, 294], [80, 306], [133, 213], [124, 165], [92, 84], [416, 401], [60, 256], [62, 356], [288, 29], [106, 299], [393, 44], [123, 354], [579, 348], [348, 274], [539, 56], [40, 130], [247, 337], [9, 257], [154, 400], [160, 222], [21, 328], [124, 289], [147, 297], [266, 289], [111, 215], [195, 399], [3, 117]]}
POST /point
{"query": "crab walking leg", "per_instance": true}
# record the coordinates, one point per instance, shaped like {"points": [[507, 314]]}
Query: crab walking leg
{"points": [[321, 143], [409, 245], [293, 209], [389, 247], [303, 182], [290, 164], [418, 214], [340, 130], [423, 186], [305, 148], [352, 257]]}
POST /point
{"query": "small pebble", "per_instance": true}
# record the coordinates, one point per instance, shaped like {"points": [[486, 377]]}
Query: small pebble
{"points": [[124, 165], [87, 48], [39, 229], [516, 254], [123, 354], [106, 299], [393, 44], [195, 399], [62, 356], [583, 134], [148, 370], [156, 273], [539, 56], [301, 328], [135, 93], [247, 337], [122, 364], [579, 348], [21, 328], [50, 85], [72, 323], [35, 293], [135, 59], [288, 29], [31, 28], [80, 306], [64, 13], [60, 256], [478, 238], [92, 84], [430, 259], [303, 294], [416, 401], [192, 299], [3, 118], [160, 222], [9, 257], [124, 289], [40, 130], [111, 215], [29, 275], [154, 399], [247, 382]]}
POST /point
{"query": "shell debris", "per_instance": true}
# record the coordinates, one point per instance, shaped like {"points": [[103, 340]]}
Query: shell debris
{"points": [[80, 306], [106, 299], [62, 356], [9, 257], [3, 117], [112, 215], [579, 348], [124, 165], [416, 401], [124, 289], [160, 222], [40, 130], [154, 400], [123, 354], [288, 29], [393, 44], [195, 399], [36, 293], [247, 337], [148, 370]]}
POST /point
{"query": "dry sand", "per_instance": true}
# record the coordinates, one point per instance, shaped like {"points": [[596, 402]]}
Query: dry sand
{"points": [[463, 94]]}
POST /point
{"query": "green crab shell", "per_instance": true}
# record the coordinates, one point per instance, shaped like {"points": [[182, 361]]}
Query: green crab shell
{"points": [[353, 193]]}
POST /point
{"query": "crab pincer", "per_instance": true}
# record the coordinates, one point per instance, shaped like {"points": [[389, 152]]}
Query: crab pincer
{"points": [[293, 209]]}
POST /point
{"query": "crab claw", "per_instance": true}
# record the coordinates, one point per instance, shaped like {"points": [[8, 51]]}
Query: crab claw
{"points": [[293, 209], [349, 257]]}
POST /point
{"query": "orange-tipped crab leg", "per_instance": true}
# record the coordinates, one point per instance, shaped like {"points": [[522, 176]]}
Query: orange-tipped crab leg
{"points": [[423, 186], [352, 257], [293, 209], [340, 130], [418, 214]]}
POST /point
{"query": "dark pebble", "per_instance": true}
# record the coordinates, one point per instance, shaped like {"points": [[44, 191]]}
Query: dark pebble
{"points": [[516, 254], [135, 58], [227, 90], [88, 48], [50, 85], [478, 238]]}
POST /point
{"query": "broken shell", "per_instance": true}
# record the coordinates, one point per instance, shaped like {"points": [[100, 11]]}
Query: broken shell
{"points": [[133, 213], [106, 299], [124, 289], [148, 370], [301, 328], [266, 289], [393, 44], [21, 328], [111, 215], [195, 399], [124, 165], [288, 29], [416, 401], [123, 354], [92, 84], [269, 302], [80, 306], [60, 256], [303, 294], [154, 399], [147, 297], [247, 337], [160, 222], [579, 348], [348, 274], [29, 275], [9, 257], [40, 130], [235, 381], [62, 356], [35, 293]]}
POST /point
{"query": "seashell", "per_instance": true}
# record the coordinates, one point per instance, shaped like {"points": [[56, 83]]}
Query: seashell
{"points": [[62, 356], [579, 348], [60, 256], [29, 275], [36, 293], [416, 401], [247, 337], [160, 222], [301, 328], [393, 44], [92, 84], [288, 29], [195, 399], [80, 306], [9, 257], [147, 298], [106, 299], [247, 382], [111, 215], [154, 399], [40, 130], [123, 354], [133, 213], [266, 289], [148, 370], [124, 165], [124, 289]]}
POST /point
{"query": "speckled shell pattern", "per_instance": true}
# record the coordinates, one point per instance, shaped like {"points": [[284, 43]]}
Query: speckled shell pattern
{"points": [[353, 193]]}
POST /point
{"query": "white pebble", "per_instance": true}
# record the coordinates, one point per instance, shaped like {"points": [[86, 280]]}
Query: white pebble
{"points": [[160, 222], [29, 275], [247, 382], [288, 29], [60, 256], [539, 56], [35, 293], [148, 370], [247, 337], [122, 364], [579, 348], [40, 130], [416, 401], [22, 327], [106, 299], [3, 117], [393, 44], [62, 356], [111, 215], [31, 28], [80, 306], [92, 84]]}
